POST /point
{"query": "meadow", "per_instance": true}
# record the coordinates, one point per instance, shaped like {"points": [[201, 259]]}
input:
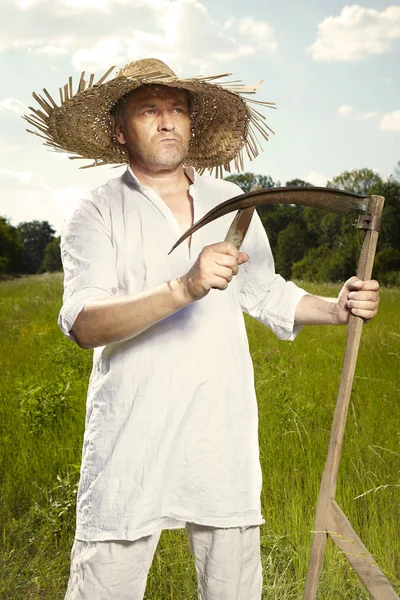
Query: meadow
{"points": [[43, 381]]}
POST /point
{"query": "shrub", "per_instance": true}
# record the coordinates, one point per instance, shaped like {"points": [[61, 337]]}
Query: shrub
{"points": [[44, 403]]}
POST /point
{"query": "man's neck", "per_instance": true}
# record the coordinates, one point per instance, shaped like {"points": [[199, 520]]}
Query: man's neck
{"points": [[164, 182]]}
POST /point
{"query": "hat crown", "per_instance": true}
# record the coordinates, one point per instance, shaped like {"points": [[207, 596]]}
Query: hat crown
{"points": [[146, 67]]}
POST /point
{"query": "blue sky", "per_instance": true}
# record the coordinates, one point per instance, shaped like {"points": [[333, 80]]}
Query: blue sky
{"points": [[332, 68]]}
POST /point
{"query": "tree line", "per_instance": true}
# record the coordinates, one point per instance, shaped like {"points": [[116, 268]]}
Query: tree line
{"points": [[316, 245], [307, 243], [28, 248]]}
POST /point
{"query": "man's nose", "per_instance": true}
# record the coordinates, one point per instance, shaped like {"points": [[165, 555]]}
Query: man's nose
{"points": [[166, 122]]}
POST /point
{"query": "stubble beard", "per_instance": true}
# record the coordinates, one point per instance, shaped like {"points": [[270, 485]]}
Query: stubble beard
{"points": [[164, 159]]}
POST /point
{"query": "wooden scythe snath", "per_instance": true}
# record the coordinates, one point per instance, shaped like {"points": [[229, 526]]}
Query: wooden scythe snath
{"points": [[330, 519]]}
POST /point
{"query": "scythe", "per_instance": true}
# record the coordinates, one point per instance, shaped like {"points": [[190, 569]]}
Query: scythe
{"points": [[329, 519]]}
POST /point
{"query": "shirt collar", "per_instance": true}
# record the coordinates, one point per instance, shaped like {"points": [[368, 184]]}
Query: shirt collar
{"points": [[189, 172]]}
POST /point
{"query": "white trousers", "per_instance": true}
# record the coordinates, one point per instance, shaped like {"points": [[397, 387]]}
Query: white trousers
{"points": [[228, 565]]}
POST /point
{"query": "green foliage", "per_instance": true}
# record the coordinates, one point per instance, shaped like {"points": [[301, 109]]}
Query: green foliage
{"points": [[389, 235], [361, 181], [316, 245], [298, 183], [387, 266], [249, 180], [56, 511], [292, 244], [321, 246], [35, 236], [328, 264], [276, 218], [52, 257], [43, 403], [11, 249]]}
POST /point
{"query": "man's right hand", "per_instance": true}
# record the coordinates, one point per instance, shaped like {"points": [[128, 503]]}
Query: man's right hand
{"points": [[214, 268]]}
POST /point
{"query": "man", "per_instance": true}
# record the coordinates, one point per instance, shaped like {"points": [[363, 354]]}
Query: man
{"points": [[171, 427]]}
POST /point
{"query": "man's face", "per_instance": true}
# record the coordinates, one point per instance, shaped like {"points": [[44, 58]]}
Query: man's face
{"points": [[155, 127]]}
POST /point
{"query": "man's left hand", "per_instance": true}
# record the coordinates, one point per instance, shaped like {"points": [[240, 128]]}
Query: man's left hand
{"points": [[360, 298]]}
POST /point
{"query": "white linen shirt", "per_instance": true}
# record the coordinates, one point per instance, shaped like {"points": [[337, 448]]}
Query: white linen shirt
{"points": [[171, 418]]}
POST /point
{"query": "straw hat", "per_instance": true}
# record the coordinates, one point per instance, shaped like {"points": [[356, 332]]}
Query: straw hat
{"points": [[223, 122]]}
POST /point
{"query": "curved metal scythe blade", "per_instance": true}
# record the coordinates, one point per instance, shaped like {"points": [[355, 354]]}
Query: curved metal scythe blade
{"points": [[331, 199]]}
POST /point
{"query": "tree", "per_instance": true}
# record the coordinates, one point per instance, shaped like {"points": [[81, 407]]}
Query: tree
{"points": [[298, 183], [319, 245], [359, 181], [326, 263], [292, 244], [35, 236], [248, 180], [390, 230], [277, 217], [11, 249], [387, 266], [52, 257]]}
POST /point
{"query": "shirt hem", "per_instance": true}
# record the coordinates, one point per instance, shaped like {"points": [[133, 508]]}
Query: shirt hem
{"points": [[168, 522]]}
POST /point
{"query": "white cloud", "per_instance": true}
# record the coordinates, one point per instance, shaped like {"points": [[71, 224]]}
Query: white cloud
{"points": [[37, 24], [345, 110], [185, 29], [391, 121], [258, 31], [14, 106], [106, 52], [317, 179], [356, 33], [369, 115], [61, 46], [183, 33], [82, 5]]}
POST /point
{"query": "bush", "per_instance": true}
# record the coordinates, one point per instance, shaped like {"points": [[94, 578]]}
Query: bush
{"points": [[44, 403]]}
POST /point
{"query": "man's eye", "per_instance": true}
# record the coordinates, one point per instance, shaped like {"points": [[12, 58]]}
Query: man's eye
{"points": [[149, 111]]}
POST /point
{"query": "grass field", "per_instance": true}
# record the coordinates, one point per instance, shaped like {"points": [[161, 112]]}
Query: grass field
{"points": [[43, 382]]}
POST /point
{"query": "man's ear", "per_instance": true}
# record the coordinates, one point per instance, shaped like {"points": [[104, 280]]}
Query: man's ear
{"points": [[119, 132]]}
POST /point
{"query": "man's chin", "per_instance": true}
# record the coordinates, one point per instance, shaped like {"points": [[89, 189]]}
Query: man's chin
{"points": [[168, 161]]}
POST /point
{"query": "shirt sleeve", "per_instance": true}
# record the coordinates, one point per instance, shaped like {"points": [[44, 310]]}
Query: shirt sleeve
{"points": [[264, 294], [88, 257]]}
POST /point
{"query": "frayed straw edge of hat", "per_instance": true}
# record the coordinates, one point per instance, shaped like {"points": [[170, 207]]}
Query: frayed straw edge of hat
{"points": [[252, 144]]}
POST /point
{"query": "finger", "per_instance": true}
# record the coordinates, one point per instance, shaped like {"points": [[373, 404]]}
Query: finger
{"points": [[364, 305], [371, 285], [367, 315], [220, 273], [354, 283], [225, 260], [364, 295], [225, 248], [219, 283], [231, 261]]}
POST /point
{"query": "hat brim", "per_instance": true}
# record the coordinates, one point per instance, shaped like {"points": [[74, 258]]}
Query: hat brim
{"points": [[221, 121]]}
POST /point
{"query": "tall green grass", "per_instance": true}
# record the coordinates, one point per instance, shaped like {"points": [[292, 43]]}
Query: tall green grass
{"points": [[42, 403]]}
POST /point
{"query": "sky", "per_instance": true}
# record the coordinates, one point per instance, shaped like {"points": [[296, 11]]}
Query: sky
{"points": [[332, 68]]}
